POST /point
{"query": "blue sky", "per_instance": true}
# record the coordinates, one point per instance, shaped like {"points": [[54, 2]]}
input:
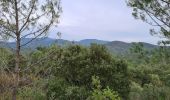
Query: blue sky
{"points": [[101, 19]]}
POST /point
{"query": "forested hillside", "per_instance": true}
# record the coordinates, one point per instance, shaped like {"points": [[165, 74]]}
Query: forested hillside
{"points": [[35, 67], [115, 47], [78, 73]]}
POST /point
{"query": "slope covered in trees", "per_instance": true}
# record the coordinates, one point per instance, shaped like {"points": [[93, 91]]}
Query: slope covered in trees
{"points": [[71, 72], [115, 47], [80, 72]]}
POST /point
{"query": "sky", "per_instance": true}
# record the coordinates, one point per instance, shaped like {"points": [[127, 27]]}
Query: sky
{"points": [[101, 19]]}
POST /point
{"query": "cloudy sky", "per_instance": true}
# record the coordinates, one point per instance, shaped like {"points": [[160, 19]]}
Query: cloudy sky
{"points": [[101, 19]]}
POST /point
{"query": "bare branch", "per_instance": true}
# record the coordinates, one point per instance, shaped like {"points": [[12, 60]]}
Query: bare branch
{"points": [[28, 17], [166, 2], [44, 30]]}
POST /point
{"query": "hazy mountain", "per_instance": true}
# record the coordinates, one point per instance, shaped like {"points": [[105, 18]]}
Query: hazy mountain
{"points": [[87, 42], [123, 47], [118, 46], [34, 43], [114, 46]]}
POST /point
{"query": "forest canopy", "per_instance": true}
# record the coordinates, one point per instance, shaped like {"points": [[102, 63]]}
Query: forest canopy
{"points": [[64, 70]]}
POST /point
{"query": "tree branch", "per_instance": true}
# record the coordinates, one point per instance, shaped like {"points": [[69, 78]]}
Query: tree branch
{"points": [[27, 20]]}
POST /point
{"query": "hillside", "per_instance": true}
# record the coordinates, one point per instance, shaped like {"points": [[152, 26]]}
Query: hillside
{"points": [[113, 46], [120, 47]]}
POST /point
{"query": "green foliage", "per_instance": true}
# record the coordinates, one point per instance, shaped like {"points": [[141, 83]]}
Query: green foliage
{"points": [[138, 49], [69, 73], [56, 89], [76, 65], [76, 93], [7, 60], [60, 89], [11, 62], [150, 80], [139, 53], [151, 92], [161, 55], [136, 91], [79, 64], [28, 93], [4, 54], [102, 94], [153, 12]]}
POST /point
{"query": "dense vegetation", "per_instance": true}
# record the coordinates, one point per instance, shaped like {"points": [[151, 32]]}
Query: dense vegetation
{"points": [[75, 72]]}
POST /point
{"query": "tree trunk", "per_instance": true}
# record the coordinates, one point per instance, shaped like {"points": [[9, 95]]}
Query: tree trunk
{"points": [[17, 65], [17, 55]]}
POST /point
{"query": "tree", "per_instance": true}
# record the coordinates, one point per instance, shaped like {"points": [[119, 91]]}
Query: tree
{"points": [[138, 48], [26, 18], [153, 12], [138, 51], [78, 64], [102, 94]]}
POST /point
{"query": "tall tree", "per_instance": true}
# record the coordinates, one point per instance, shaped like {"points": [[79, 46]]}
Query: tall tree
{"points": [[153, 12], [26, 18]]}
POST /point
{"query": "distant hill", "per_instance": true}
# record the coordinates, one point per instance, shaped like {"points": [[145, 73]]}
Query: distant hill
{"points": [[87, 42], [120, 47], [34, 43], [113, 46]]}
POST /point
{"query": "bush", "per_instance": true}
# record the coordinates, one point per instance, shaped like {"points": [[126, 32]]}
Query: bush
{"points": [[79, 64], [59, 89], [31, 93], [102, 94]]}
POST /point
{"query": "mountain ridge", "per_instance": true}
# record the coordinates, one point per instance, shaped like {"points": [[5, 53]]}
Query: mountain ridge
{"points": [[113, 46]]}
